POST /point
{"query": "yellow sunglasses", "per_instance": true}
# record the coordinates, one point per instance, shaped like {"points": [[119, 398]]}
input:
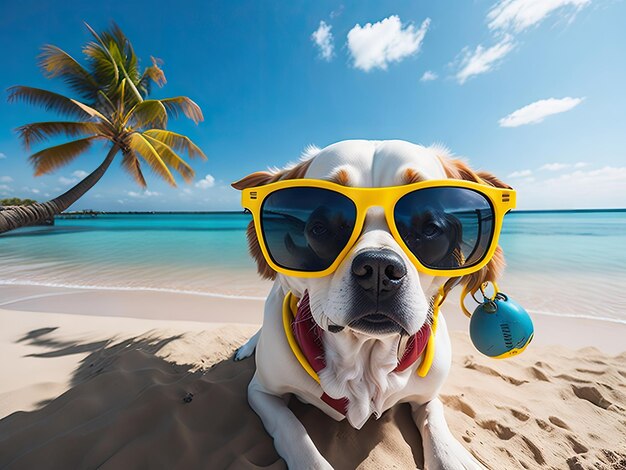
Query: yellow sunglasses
{"points": [[306, 227]]}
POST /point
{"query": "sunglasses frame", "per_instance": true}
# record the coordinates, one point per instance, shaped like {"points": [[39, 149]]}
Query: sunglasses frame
{"points": [[502, 200]]}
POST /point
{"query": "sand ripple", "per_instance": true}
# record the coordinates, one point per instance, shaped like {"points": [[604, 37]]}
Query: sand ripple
{"points": [[164, 400]]}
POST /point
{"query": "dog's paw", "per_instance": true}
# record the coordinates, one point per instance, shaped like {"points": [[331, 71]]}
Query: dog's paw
{"points": [[244, 351], [248, 348], [453, 457]]}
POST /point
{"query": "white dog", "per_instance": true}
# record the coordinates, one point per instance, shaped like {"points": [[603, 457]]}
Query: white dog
{"points": [[360, 375]]}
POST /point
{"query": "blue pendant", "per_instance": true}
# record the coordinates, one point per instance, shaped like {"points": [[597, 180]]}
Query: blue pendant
{"points": [[500, 327]]}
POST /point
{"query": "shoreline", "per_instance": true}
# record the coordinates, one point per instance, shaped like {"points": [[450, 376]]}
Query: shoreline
{"points": [[219, 295], [90, 213], [565, 330]]}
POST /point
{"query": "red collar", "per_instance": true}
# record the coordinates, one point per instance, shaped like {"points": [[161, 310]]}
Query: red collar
{"points": [[309, 336]]}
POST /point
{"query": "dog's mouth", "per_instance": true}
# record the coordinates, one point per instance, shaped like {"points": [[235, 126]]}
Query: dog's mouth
{"points": [[376, 323]]}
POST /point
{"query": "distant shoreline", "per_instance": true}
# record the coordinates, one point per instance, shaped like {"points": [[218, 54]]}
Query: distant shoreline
{"points": [[88, 213], [240, 212]]}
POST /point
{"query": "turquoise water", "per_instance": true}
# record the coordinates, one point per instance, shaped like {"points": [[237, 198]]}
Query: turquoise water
{"points": [[565, 263]]}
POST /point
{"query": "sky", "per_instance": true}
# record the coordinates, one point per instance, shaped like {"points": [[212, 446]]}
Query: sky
{"points": [[532, 90]]}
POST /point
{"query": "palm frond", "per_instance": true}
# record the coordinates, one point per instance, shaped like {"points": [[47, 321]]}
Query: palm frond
{"points": [[184, 105], [140, 144], [40, 131], [103, 67], [121, 52], [122, 97], [91, 111], [152, 74], [130, 162], [147, 113], [50, 159], [178, 142], [116, 40], [172, 159], [57, 63], [48, 100]]}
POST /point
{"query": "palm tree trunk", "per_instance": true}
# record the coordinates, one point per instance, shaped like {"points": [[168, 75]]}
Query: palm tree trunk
{"points": [[25, 215]]}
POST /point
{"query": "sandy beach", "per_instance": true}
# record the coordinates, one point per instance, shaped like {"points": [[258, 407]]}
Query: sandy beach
{"points": [[146, 380], [159, 171]]}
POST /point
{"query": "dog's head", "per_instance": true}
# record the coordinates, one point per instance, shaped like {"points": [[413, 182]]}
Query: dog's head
{"points": [[376, 290]]}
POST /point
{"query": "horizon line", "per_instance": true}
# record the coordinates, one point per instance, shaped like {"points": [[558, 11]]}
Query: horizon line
{"points": [[242, 211]]}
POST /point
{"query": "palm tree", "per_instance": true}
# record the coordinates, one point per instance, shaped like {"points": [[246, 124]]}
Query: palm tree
{"points": [[113, 107]]}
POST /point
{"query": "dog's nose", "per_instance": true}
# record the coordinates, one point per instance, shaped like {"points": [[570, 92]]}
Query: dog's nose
{"points": [[378, 272]]}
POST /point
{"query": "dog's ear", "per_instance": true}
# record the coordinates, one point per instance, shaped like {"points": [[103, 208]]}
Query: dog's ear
{"points": [[458, 169], [258, 178], [491, 179], [254, 248], [261, 178]]}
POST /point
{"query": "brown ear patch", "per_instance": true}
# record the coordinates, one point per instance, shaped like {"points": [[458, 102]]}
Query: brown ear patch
{"points": [[491, 272], [261, 178], [458, 169], [492, 180], [255, 251]]}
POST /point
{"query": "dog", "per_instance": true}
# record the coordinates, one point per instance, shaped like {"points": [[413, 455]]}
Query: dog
{"points": [[360, 377]]}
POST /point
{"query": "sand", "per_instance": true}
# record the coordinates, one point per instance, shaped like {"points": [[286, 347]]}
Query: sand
{"points": [[91, 390]]}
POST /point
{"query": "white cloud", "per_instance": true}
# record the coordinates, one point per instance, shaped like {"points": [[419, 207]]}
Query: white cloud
{"points": [[538, 111], [207, 182], [600, 188], [2, 156], [561, 166], [518, 15], [337, 13], [554, 166], [66, 181], [5, 188], [483, 60], [376, 45], [429, 76], [76, 177], [145, 193], [520, 174], [6, 179], [505, 19], [187, 191], [323, 38]]}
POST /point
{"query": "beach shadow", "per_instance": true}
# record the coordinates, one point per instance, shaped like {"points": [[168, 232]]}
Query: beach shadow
{"points": [[101, 353], [131, 405], [35, 334]]}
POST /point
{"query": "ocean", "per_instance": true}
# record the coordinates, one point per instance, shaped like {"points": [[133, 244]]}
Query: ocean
{"points": [[566, 263]]}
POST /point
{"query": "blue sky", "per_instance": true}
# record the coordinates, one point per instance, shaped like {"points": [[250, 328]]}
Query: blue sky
{"points": [[533, 91]]}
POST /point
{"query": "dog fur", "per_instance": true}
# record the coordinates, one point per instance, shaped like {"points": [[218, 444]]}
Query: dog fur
{"points": [[358, 366]]}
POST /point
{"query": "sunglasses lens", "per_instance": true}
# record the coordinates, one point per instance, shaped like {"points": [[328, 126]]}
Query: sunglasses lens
{"points": [[446, 228], [305, 229]]}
